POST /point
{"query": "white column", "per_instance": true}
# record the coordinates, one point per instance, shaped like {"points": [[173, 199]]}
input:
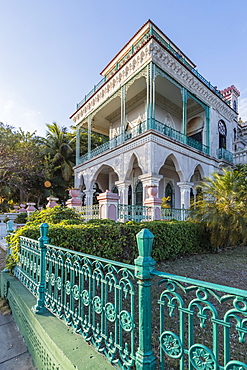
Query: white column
{"points": [[123, 188], [185, 193], [89, 197]]}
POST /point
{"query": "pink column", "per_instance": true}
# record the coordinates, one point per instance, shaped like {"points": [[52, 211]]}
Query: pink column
{"points": [[52, 202], [108, 205], [154, 203], [74, 201]]}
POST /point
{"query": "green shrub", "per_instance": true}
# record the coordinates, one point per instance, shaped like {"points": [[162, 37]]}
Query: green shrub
{"points": [[21, 218], [54, 215], [117, 241]]}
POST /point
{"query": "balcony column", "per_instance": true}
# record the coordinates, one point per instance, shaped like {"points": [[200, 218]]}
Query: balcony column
{"points": [[208, 128], [123, 111], [150, 108], [89, 197], [184, 113], [89, 133], [77, 144], [185, 193], [123, 188]]}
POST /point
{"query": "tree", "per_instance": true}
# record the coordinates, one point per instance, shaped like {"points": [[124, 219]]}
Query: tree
{"points": [[20, 165], [222, 205]]}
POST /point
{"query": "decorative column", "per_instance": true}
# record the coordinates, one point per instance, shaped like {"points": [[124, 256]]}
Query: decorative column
{"points": [[40, 306], [123, 188], [77, 150], [123, 111], [74, 201], [89, 197], [208, 128], [52, 202], [184, 117], [150, 109], [185, 193], [154, 203], [144, 264], [108, 205], [149, 179], [89, 133]]}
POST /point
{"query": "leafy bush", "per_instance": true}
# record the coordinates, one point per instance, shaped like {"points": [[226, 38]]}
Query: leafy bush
{"points": [[117, 241], [54, 215], [21, 218]]}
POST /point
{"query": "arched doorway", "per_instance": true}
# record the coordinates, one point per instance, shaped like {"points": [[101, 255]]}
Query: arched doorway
{"points": [[138, 195], [169, 194]]}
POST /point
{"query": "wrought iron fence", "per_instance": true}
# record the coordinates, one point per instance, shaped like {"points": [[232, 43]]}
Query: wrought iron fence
{"points": [[88, 212], [200, 325], [225, 154], [133, 213], [139, 129], [179, 214]]}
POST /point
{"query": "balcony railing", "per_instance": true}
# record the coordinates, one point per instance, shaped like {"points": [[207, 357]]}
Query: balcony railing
{"points": [[225, 154], [139, 129], [150, 33]]}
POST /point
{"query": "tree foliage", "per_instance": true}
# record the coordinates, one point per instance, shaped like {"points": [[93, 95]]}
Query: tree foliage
{"points": [[222, 206]]}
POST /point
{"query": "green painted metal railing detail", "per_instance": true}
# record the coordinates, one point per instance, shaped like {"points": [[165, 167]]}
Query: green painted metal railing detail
{"points": [[200, 323], [133, 213], [203, 326], [179, 214], [225, 154], [28, 271], [150, 33], [88, 212], [139, 129]]}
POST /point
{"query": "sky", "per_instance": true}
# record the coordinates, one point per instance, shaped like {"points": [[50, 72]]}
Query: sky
{"points": [[52, 51]]}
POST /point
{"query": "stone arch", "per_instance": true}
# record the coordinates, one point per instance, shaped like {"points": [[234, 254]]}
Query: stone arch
{"points": [[197, 169], [104, 177], [174, 159], [134, 157]]}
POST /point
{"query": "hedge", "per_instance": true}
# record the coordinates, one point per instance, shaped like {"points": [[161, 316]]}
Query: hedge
{"points": [[117, 241]]}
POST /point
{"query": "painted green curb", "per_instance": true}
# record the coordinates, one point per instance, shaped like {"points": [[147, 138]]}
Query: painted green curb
{"points": [[51, 344]]}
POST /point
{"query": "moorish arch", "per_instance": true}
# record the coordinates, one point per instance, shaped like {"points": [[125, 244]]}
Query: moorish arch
{"points": [[105, 177], [171, 176], [134, 165]]}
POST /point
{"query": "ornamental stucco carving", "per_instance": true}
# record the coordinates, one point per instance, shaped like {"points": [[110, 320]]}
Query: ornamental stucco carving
{"points": [[135, 64], [171, 65]]}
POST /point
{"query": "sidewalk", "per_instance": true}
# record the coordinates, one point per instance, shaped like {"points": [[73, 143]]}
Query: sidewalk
{"points": [[13, 351]]}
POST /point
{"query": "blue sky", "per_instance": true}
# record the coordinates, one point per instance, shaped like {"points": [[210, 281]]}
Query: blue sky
{"points": [[52, 51]]}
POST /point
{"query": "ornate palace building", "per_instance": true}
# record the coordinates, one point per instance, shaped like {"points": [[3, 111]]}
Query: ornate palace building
{"points": [[165, 124]]}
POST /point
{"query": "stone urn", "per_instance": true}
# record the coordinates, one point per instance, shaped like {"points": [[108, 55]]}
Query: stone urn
{"points": [[152, 190], [74, 193], [22, 209]]}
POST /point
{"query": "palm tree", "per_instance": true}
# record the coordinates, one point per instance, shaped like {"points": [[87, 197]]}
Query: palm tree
{"points": [[222, 206], [58, 147]]}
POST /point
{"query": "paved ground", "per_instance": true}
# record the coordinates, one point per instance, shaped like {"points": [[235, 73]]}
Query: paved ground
{"points": [[13, 351]]}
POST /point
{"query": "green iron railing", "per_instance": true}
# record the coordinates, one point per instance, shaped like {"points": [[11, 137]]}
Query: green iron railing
{"points": [[201, 326], [179, 214], [150, 33], [133, 213], [139, 129], [225, 154]]}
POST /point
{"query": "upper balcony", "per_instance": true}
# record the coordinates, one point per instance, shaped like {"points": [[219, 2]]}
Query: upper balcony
{"points": [[147, 32], [150, 124]]}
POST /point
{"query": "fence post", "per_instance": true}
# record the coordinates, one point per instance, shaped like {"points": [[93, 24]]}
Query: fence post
{"points": [[145, 359], [9, 231], [40, 306]]}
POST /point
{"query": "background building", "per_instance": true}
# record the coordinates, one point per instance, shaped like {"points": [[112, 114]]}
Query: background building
{"points": [[165, 124]]}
